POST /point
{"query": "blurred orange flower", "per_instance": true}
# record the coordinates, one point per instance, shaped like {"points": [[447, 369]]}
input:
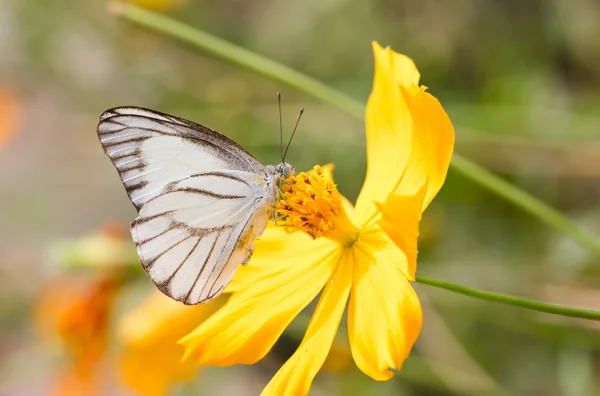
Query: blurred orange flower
{"points": [[10, 115], [76, 312], [150, 358]]}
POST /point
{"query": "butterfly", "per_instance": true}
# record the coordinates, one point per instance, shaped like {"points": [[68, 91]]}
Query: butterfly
{"points": [[201, 198]]}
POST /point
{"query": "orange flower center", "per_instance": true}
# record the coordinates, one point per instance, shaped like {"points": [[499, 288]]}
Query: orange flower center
{"points": [[311, 203]]}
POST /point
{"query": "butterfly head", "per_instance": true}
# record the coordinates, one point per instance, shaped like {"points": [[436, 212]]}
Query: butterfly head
{"points": [[284, 170]]}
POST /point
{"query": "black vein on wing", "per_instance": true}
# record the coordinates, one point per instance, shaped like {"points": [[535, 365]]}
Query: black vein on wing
{"points": [[139, 166], [209, 193], [165, 284], [151, 262], [241, 235], [123, 135], [134, 187], [172, 188], [212, 296], [138, 139], [193, 131], [134, 153], [174, 225], [107, 132], [171, 227], [145, 219], [225, 175], [208, 256]]}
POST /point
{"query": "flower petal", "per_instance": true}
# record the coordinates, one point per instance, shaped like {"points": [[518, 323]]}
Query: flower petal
{"points": [[150, 358], [297, 374], [381, 337], [400, 221], [378, 246], [348, 207], [433, 142], [275, 250], [388, 128], [409, 136], [284, 275]]}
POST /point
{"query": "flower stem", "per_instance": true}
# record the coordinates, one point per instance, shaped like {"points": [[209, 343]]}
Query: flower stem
{"points": [[512, 300], [236, 55], [525, 201], [281, 73], [276, 71]]}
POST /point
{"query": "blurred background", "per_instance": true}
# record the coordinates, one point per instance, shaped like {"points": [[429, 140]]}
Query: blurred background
{"points": [[520, 81]]}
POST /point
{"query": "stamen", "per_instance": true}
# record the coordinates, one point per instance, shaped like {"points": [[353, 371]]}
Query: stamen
{"points": [[311, 203]]}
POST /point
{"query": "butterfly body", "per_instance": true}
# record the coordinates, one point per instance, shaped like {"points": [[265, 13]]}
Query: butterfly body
{"points": [[201, 199]]}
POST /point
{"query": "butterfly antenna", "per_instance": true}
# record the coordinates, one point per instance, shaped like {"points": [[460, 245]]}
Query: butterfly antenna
{"points": [[293, 133], [280, 127]]}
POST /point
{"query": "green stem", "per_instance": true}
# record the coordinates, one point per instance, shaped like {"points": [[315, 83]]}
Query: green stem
{"points": [[236, 55], [278, 72], [512, 300], [525, 201]]}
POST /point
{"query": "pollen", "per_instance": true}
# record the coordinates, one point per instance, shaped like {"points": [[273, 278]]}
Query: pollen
{"points": [[310, 202]]}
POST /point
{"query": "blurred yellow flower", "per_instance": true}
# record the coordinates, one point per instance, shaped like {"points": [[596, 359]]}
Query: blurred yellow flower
{"points": [[150, 358], [364, 255], [109, 248], [159, 5]]}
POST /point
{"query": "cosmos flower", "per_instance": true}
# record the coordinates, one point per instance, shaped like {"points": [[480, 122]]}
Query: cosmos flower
{"points": [[360, 257], [149, 356], [11, 115]]}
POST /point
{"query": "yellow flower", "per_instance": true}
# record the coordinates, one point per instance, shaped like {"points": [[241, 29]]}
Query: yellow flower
{"points": [[150, 358], [101, 250], [159, 5], [363, 257]]}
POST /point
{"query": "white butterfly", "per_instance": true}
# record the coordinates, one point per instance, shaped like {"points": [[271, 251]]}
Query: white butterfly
{"points": [[201, 198]]}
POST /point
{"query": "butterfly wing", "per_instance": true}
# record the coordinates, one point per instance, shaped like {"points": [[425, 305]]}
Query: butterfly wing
{"points": [[151, 149], [193, 235], [201, 199]]}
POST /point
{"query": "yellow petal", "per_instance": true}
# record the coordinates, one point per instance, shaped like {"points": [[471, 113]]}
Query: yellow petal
{"points": [[277, 250], [432, 145], [384, 316], [297, 374], [377, 244], [328, 169], [400, 221], [150, 358], [284, 275], [388, 128], [409, 136]]}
